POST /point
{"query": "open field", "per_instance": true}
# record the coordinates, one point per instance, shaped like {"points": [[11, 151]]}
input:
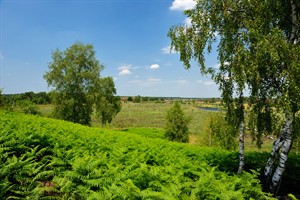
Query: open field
{"points": [[152, 116]]}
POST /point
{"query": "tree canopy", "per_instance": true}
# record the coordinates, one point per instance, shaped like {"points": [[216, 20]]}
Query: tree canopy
{"points": [[74, 74], [258, 50]]}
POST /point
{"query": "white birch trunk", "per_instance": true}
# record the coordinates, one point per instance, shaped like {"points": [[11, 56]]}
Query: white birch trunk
{"points": [[274, 155], [241, 151], [283, 156]]}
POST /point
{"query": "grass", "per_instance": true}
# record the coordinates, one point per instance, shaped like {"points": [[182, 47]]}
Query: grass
{"points": [[151, 116]]}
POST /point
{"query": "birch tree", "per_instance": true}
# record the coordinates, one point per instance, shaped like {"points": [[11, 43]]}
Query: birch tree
{"points": [[74, 75], [259, 53]]}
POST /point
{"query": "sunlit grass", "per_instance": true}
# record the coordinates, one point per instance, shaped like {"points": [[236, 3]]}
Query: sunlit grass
{"points": [[152, 116]]}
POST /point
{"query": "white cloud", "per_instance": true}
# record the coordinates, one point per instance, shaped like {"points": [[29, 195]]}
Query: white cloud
{"points": [[168, 50], [124, 67], [154, 66], [182, 5], [199, 81], [217, 66], [188, 21], [124, 70]]}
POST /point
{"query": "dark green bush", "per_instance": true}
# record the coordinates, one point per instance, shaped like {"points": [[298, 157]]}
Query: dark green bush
{"points": [[177, 124]]}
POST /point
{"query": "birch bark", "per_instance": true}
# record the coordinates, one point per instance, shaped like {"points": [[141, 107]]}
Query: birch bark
{"points": [[241, 151], [284, 151]]}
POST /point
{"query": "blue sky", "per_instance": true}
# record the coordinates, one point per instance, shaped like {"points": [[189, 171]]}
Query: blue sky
{"points": [[129, 37]]}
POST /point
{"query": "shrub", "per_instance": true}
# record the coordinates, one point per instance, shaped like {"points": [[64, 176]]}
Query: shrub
{"points": [[177, 124], [28, 107], [219, 133]]}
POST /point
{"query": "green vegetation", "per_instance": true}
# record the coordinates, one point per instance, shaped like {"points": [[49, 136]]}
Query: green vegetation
{"points": [[28, 107], [219, 133], [152, 116], [108, 105], [259, 53], [74, 75], [47, 158], [1, 99], [177, 124]]}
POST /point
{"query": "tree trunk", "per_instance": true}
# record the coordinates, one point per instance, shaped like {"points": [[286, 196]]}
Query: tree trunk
{"points": [[283, 156], [274, 156], [280, 150], [241, 143]]}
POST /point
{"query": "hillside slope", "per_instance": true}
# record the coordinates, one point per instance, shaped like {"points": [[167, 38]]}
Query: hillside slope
{"points": [[45, 158]]}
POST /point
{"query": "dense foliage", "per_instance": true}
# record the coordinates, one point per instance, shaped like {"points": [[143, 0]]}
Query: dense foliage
{"points": [[36, 98], [50, 159], [259, 54], [219, 133], [107, 103], [74, 75], [177, 124]]}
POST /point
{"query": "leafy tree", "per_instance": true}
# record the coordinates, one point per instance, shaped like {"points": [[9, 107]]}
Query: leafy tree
{"points": [[107, 105], [137, 99], [218, 132], [145, 99], [129, 99], [75, 76], [177, 124], [258, 49]]}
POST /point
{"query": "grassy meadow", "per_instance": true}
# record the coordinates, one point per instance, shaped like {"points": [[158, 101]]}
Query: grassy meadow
{"points": [[151, 117]]}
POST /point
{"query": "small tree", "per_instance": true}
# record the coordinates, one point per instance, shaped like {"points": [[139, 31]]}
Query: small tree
{"points": [[137, 99], [129, 99], [78, 87], [177, 124]]}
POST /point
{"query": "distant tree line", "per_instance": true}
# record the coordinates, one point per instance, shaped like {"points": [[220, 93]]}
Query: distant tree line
{"points": [[36, 98]]}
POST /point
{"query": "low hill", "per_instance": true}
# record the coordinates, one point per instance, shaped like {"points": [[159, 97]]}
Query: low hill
{"points": [[44, 158]]}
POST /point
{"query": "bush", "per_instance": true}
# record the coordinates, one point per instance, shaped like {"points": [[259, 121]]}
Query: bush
{"points": [[177, 124], [28, 107], [219, 133]]}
